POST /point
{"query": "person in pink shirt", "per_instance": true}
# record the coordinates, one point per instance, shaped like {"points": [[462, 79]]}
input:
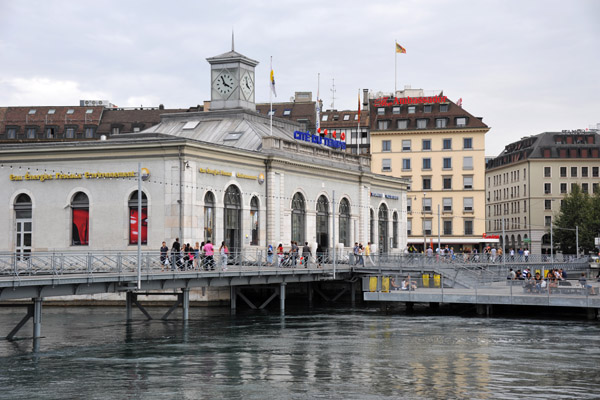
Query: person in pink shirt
{"points": [[209, 252]]}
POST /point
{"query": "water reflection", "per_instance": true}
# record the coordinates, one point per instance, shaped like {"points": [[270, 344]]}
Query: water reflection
{"points": [[327, 353]]}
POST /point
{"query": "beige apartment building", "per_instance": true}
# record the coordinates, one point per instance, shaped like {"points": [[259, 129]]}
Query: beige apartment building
{"points": [[525, 183], [440, 148]]}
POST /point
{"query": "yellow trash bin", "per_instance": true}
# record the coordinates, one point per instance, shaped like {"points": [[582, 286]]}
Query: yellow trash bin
{"points": [[385, 284], [437, 279], [373, 284], [425, 280]]}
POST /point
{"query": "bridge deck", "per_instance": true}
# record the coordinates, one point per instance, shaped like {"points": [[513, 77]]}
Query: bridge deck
{"points": [[496, 294]]}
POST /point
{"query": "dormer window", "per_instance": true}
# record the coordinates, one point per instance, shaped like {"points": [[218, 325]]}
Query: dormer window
{"points": [[396, 110], [461, 122], [427, 108], [32, 111], [443, 107], [381, 111], [287, 111], [51, 111], [440, 122], [271, 112], [89, 111], [325, 117], [70, 111], [347, 117]]}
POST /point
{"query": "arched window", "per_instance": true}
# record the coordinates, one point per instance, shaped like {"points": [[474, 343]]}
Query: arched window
{"points": [[323, 222], [23, 214], [254, 221], [209, 217], [372, 225], [395, 230], [133, 218], [80, 207], [232, 217], [383, 229], [298, 218], [345, 222]]}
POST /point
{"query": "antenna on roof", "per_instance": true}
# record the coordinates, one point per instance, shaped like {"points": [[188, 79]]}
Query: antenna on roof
{"points": [[232, 43], [333, 94]]}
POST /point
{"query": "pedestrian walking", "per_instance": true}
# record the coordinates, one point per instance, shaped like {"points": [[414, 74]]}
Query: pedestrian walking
{"points": [[224, 251], [306, 254]]}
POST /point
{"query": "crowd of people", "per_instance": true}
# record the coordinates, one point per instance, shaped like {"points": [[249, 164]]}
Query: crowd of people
{"points": [[554, 278], [186, 257]]}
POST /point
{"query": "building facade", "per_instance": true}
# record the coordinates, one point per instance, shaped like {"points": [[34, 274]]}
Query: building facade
{"points": [[440, 148], [222, 175], [525, 183]]}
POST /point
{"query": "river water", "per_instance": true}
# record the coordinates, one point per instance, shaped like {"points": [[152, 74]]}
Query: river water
{"points": [[364, 353]]}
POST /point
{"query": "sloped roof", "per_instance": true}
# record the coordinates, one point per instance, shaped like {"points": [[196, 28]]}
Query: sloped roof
{"points": [[554, 145], [454, 112], [239, 128], [126, 120], [232, 56]]}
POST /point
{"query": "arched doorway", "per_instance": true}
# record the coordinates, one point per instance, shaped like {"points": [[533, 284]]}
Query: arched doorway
{"points": [[383, 229], [298, 218], [322, 222], [395, 230], [232, 218], [209, 217], [372, 225], [345, 222], [80, 209], [23, 218], [133, 218], [254, 221]]}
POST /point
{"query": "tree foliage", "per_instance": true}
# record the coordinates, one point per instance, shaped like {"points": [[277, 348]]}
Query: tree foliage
{"points": [[580, 210]]}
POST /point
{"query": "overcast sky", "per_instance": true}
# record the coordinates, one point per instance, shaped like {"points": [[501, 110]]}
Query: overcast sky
{"points": [[524, 66]]}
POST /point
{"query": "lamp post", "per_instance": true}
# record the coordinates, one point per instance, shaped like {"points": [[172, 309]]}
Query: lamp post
{"points": [[423, 224]]}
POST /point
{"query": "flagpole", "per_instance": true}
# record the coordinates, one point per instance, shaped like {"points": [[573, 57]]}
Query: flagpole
{"points": [[358, 133], [395, 67], [271, 100], [317, 108]]}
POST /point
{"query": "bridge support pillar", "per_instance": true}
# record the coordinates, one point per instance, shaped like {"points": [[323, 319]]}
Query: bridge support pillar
{"points": [[232, 297], [282, 297], [484, 309], [186, 303], [129, 306], [592, 313], [37, 318]]}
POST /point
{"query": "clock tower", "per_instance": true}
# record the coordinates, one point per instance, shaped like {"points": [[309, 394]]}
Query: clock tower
{"points": [[232, 81]]}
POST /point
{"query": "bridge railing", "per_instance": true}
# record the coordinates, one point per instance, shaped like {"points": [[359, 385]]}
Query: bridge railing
{"points": [[93, 262]]}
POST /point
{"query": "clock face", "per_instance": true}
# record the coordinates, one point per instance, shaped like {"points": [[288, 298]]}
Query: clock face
{"points": [[247, 86], [224, 84]]}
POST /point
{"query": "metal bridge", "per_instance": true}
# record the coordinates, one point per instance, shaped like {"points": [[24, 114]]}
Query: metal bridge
{"points": [[457, 279]]}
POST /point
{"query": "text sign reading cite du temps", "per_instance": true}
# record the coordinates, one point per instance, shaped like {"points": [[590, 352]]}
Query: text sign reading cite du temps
{"points": [[308, 137], [61, 176]]}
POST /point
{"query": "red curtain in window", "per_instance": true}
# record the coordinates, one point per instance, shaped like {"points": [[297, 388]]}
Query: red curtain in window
{"points": [[81, 219], [133, 225]]}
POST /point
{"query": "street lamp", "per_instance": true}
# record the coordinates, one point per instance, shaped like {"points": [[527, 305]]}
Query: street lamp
{"points": [[423, 225]]}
